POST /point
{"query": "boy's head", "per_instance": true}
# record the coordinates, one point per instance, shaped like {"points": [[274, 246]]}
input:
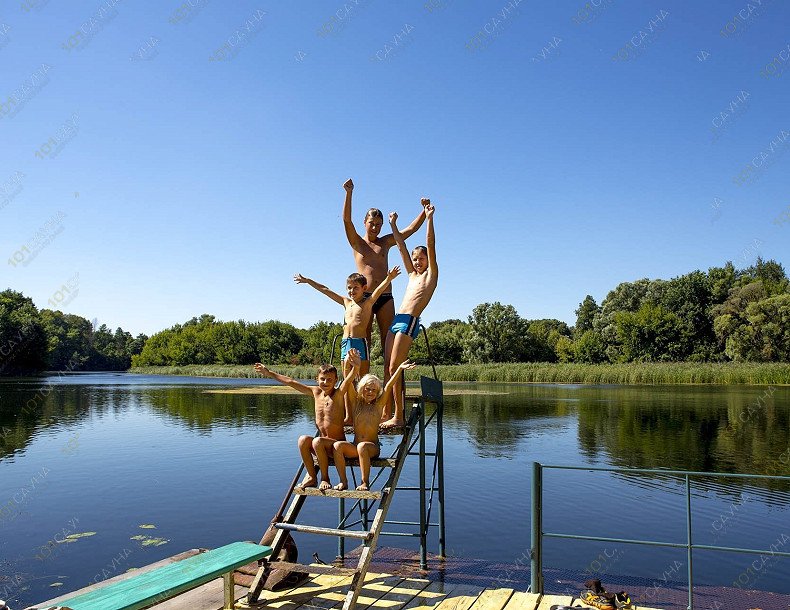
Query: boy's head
{"points": [[326, 377], [356, 285], [419, 259], [369, 388], [374, 220]]}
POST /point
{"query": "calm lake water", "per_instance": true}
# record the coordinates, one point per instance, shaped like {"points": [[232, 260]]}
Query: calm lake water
{"points": [[107, 453]]}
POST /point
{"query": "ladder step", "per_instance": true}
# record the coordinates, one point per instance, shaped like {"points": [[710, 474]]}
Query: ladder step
{"points": [[375, 462], [324, 531], [312, 569], [334, 493]]}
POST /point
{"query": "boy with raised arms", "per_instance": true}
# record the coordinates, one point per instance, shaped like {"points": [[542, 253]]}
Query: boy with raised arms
{"points": [[423, 276], [359, 311], [329, 415], [370, 255]]}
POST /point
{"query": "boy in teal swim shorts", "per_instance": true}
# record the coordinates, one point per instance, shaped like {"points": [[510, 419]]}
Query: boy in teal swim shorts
{"points": [[423, 276], [359, 311]]}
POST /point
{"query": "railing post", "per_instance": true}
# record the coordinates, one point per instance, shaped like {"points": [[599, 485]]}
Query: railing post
{"points": [[536, 554], [341, 514], [440, 458], [423, 521], [689, 550]]}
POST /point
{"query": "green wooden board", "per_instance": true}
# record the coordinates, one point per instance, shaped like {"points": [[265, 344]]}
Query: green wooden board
{"points": [[170, 580]]}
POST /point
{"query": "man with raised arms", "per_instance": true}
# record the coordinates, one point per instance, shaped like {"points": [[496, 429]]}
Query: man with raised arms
{"points": [[370, 255]]}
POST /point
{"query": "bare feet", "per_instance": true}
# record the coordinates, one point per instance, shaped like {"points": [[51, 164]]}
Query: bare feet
{"points": [[325, 485], [340, 486], [392, 423], [308, 482], [362, 487]]}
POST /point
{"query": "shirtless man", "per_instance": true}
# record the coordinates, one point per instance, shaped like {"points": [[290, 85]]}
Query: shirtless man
{"points": [[329, 413], [370, 255], [368, 401], [423, 275]]}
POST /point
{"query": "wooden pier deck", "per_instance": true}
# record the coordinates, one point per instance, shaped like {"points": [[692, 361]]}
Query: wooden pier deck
{"points": [[382, 591]]}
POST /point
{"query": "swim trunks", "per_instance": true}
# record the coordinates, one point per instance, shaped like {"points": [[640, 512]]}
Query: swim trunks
{"points": [[387, 296], [353, 342], [406, 324]]}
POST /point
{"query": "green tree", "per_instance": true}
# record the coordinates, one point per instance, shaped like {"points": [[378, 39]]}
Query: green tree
{"points": [[69, 337], [649, 334], [764, 333], [585, 315], [23, 341], [497, 334], [590, 348]]}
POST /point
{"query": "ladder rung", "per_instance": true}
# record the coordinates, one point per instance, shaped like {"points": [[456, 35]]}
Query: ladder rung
{"points": [[375, 462], [312, 569], [324, 531], [334, 493]]}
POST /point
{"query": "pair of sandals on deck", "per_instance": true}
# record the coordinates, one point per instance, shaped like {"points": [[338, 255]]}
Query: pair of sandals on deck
{"points": [[596, 596]]}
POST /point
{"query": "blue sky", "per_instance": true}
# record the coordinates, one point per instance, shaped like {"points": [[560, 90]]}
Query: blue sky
{"points": [[167, 159]]}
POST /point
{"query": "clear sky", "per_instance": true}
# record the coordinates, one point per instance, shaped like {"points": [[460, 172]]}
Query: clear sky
{"points": [[163, 159]]}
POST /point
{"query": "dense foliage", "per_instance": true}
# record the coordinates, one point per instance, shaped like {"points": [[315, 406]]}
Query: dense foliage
{"points": [[721, 315], [33, 340]]}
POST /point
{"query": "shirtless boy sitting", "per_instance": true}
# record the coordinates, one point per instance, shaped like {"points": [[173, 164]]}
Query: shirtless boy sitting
{"points": [[359, 311], [368, 401], [329, 413], [423, 275], [371, 253]]}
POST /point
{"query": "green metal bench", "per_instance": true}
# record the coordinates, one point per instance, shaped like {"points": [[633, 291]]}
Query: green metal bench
{"points": [[158, 585]]}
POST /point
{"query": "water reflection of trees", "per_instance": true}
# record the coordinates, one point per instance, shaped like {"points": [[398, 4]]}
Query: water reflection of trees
{"points": [[201, 410], [28, 408], [496, 424], [722, 430]]}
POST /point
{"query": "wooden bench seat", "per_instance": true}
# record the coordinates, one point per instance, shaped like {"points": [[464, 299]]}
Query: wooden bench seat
{"points": [[168, 581]]}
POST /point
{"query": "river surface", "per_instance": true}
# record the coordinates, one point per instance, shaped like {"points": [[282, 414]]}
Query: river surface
{"points": [[104, 454]]}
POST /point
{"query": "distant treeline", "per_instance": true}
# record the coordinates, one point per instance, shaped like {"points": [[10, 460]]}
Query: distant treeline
{"points": [[724, 314], [32, 341]]}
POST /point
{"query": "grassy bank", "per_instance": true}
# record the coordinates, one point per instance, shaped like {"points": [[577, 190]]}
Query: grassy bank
{"points": [[537, 372]]}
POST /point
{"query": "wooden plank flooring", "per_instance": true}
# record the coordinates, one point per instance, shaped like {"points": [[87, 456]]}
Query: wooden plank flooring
{"points": [[381, 592]]}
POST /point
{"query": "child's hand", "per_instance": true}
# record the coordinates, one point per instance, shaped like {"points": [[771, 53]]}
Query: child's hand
{"points": [[406, 365], [261, 368], [300, 279], [348, 185], [393, 273], [393, 218], [424, 202], [429, 209]]}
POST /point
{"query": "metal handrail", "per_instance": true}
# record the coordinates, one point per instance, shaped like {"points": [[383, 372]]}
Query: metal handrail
{"points": [[536, 553]]}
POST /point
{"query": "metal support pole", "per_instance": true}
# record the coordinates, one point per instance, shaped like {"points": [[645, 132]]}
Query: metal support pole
{"points": [[341, 515], [689, 544], [536, 554], [440, 458], [365, 519], [423, 520]]}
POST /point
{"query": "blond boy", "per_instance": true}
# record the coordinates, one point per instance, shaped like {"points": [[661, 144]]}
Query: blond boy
{"points": [[367, 400]]}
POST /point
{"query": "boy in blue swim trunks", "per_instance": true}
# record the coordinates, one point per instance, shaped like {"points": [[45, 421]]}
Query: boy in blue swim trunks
{"points": [[359, 311], [423, 276]]}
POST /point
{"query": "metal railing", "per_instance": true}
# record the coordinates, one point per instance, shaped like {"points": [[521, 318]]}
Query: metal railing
{"points": [[536, 554]]}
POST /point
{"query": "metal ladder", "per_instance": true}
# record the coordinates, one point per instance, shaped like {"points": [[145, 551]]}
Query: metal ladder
{"points": [[368, 537]]}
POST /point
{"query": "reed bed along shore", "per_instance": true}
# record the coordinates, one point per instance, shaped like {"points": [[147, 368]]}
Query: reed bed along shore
{"points": [[649, 373]]}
